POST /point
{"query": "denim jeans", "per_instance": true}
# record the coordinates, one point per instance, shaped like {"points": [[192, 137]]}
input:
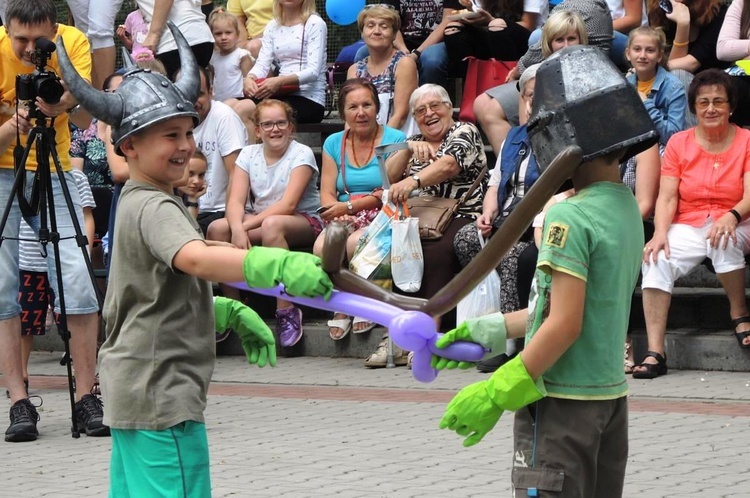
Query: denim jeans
{"points": [[80, 296]]}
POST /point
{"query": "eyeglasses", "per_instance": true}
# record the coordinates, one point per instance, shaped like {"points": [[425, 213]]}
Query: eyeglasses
{"points": [[433, 106], [268, 125], [703, 104], [381, 5]]}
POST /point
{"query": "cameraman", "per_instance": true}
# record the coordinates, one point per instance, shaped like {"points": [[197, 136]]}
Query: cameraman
{"points": [[25, 23]]}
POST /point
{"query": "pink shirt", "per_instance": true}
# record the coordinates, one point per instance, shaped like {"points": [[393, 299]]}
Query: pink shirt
{"points": [[710, 184], [732, 45]]}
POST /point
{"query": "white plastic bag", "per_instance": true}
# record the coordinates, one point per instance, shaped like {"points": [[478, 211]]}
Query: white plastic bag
{"points": [[483, 299], [407, 260]]}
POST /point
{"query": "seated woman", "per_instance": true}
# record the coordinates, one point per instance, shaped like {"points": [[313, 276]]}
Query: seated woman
{"points": [[393, 74], [734, 45], [497, 109], [444, 160], [277, 179], [515, 172], [494, 32], [295, 40], [704, 196], [350, 182]]}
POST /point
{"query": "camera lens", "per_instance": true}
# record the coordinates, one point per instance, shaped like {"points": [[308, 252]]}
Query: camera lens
{"points": [[49, 88]]}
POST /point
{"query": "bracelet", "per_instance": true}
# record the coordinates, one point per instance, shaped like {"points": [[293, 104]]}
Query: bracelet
{"points": [[736, 215], [190, 204], [680, 44]]}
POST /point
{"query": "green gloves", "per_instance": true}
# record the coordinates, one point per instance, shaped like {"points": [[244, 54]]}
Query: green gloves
{"points": [[257, 339], [489, 331], [475, 410], [301, 273]]}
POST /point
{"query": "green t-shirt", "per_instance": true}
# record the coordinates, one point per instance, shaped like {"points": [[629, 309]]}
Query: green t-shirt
{"points": [[157, 361], [597, 236]]}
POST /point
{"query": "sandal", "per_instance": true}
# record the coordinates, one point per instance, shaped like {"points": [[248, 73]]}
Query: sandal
{"points": [[629, 364], [741, 335], [652, 370], [344, 324], [357, 320]]}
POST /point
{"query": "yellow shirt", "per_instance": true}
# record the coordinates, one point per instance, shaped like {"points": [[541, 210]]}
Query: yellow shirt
{"points": [[257, 13], [78, 50], [644, 87]]}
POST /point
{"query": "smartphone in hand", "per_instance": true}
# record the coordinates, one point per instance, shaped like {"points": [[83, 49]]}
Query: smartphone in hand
{"points": [[321, 209], [666, 6]]}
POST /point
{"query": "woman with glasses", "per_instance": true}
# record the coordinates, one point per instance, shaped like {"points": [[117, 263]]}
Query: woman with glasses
{"points": [[350, 182], [701, 212], [389, 69], [273, 199]]}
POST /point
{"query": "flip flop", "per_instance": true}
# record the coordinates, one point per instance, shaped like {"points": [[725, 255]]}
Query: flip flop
{"points": [[370, 326], [344, 324]]}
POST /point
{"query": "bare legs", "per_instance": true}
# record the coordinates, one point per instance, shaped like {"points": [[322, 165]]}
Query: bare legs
{"points": [[10, 358], [734, 285]]}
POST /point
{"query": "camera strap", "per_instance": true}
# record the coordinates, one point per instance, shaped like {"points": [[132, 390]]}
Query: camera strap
{"points": [[28, 209]]}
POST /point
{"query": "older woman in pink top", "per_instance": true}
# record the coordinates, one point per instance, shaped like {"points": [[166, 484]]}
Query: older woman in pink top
{"points": [[701, 212]]}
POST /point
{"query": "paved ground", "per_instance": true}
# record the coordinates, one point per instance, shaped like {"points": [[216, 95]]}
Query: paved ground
{"points": [[315, 427]]}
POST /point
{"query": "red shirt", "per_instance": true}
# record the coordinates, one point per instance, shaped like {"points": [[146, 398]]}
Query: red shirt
{"points": [[710, 184]]}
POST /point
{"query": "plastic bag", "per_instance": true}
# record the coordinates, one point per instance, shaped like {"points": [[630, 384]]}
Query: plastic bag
{"points": [[372, 256], [483, 299], [407, 260]]}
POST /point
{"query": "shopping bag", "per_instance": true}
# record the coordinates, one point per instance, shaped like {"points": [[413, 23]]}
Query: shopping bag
{"points": [[407, 260], [481, 75], [372, 255], [483, 299]]}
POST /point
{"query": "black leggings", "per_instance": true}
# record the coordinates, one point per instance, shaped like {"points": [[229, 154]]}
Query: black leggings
{"points": [[171, 59], [306, 110], [508, 44]]}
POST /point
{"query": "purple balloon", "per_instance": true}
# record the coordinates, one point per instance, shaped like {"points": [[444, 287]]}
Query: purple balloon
{"points": [[410, 330]]}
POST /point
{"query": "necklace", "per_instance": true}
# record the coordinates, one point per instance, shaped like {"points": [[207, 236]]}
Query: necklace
{"points": [[369, 154]]}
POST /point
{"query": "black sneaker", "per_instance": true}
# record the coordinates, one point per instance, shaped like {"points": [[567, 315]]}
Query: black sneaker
{"points": [[89, 414], [23, 419]]}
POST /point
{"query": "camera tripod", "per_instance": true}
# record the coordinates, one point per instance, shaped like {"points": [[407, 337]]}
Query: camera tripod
{"points": [[42, 203]]}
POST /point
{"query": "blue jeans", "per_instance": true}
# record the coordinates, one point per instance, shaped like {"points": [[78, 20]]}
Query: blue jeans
{"points": [[432, 65], [80, 296]]}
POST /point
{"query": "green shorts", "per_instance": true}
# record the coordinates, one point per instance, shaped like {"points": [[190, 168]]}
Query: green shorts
{"points": [[170, 463]]}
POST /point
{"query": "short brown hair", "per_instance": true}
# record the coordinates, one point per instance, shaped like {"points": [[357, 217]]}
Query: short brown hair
{"points": [[711, 77], [379, 12], [355, 84]]}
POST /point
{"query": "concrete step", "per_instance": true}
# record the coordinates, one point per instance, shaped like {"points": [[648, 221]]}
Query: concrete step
{"points": [[687, 348]]}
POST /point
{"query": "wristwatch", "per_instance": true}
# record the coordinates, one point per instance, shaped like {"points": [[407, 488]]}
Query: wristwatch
{"points": [[73, 110], [190, 204], [417, 52], [350, 207], [416, 179]]}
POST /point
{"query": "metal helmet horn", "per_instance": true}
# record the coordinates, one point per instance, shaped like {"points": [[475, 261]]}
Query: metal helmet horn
{"points": [[581, 98], [143, 98]]}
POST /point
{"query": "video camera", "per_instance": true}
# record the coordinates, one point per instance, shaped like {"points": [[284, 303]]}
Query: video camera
{"points": [[41, 83]]}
